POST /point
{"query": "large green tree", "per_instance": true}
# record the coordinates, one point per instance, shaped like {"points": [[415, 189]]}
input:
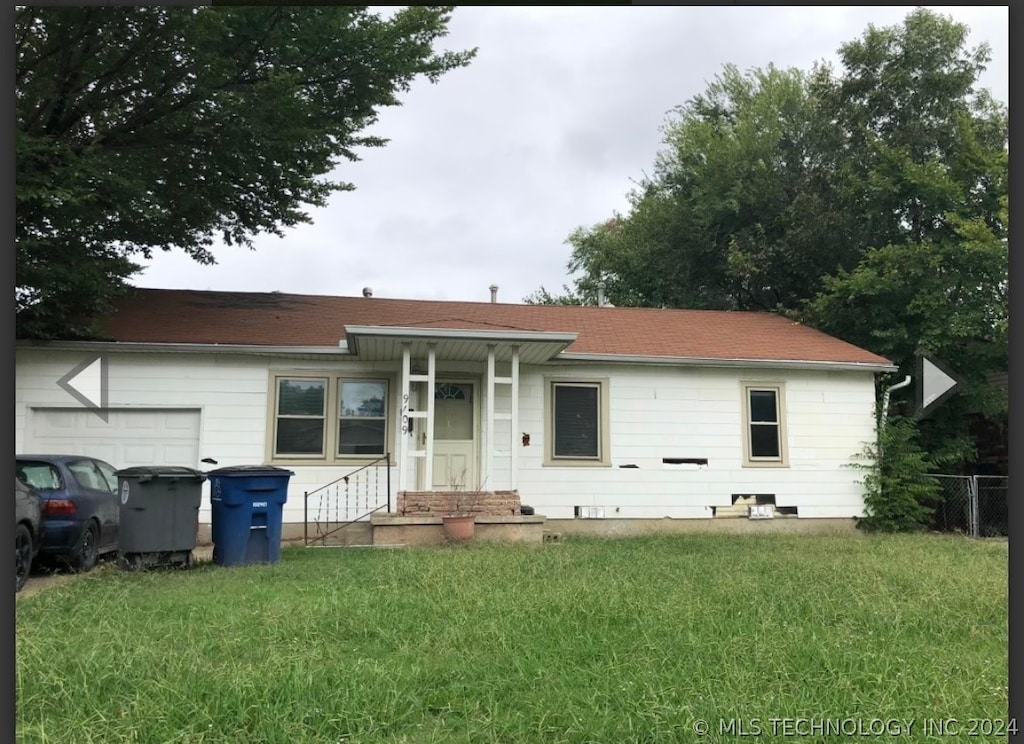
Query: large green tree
{"points": [[946, 298], [869, 203], [721, 223], [922, 161], [772, 180], [158, 128]]}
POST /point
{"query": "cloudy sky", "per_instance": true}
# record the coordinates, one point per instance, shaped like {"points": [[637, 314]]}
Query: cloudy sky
{"points": [[489, 170]]}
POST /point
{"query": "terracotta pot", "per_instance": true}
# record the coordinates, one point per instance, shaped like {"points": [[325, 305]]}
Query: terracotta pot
{"points": [[458, 529]]}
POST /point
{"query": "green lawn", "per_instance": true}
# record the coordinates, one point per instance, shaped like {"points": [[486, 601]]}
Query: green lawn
{"points": [[630, 640]]}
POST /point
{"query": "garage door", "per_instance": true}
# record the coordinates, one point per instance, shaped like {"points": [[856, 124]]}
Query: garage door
{"points": [[127, 438]]}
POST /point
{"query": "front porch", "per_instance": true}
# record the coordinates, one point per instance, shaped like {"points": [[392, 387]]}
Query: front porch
{"points": [[458, 401], [457, 439], [357, 509]]}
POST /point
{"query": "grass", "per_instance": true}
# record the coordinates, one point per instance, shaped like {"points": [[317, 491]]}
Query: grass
{"points": [[629, 640]]}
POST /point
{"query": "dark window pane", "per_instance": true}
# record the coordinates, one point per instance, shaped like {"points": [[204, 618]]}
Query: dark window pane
{"points": [[576, 421], [301, 397], [300, 437], [762, 406], [362, 398], [764, 440], [361, 437]]}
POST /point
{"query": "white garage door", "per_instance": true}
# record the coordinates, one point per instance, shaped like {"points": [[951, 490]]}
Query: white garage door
{"points": [[127, 438]]}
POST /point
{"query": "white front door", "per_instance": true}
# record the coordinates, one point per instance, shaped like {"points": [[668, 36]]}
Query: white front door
{"points": [[454, 464]]}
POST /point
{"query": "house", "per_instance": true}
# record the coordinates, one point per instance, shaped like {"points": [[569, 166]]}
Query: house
{"points": [[601, 418]]}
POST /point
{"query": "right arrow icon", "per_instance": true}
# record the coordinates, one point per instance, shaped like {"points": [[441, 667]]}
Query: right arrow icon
{"points": [[936, 383]]}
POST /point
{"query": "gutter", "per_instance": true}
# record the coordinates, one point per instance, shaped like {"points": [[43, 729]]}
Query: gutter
{"points": [[713, 362], [179, 348], [346, 351]]}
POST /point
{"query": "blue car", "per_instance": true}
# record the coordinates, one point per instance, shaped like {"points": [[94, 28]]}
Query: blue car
{"points": [[80, 506]]}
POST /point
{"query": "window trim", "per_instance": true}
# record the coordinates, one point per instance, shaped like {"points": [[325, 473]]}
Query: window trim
{"points": [[779, 388], [603, 459], [332, 416]]}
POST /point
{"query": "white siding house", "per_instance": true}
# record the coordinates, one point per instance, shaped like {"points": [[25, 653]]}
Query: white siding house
{"points": [[527, 399]]}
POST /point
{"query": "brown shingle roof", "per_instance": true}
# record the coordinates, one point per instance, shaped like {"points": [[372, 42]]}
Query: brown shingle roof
{"points": [[276, 319]]}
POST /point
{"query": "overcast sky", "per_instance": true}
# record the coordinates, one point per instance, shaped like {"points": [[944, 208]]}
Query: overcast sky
{"points": [[489, 170]]}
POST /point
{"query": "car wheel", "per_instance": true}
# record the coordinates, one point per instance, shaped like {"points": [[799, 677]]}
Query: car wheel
{"points": [[88, 549], [22, 556]]}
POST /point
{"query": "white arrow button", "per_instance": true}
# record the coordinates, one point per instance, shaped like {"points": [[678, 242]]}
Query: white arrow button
{"points": [[87, 383], [934, 383]]}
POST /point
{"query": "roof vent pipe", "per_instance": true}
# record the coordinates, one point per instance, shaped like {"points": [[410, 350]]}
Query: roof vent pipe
{"points": [[600, 294], [367, 292], [494, 293]]}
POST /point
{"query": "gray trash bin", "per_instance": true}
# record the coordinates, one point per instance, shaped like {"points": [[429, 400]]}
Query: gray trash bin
{"points": [[159, 515]]}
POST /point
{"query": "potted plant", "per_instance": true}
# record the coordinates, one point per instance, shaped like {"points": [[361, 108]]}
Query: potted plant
{"points": [[459, 524]]}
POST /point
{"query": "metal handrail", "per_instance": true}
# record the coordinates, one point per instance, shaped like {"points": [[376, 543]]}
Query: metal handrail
{"points": [[322, 537], [385, 460]]}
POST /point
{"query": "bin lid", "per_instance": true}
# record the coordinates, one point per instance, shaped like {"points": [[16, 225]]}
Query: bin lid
{"points": [[247, 471], [160, 471]]}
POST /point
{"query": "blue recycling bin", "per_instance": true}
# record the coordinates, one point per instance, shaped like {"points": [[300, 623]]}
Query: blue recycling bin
{"points": [[247, 503]]}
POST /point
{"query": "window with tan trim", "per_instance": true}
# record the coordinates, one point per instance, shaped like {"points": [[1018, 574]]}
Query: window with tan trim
{"points": [[327, 418], [576, 422], [299, 429], [764, 425]]}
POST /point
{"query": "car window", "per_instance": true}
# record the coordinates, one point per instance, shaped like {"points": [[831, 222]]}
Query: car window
{"points": [[39, 475], [108, 474], [87, 475]]}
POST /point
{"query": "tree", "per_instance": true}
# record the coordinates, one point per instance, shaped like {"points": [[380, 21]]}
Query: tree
{"points": [[869, 204], [947, 298], [922, 160], [772, 180], [722, 223], [915, 142], [154, 128]]}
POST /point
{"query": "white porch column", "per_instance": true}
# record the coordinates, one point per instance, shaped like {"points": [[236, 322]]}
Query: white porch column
{"points": [[403, 434], [486, 482], [513, 463], [428, 457]]}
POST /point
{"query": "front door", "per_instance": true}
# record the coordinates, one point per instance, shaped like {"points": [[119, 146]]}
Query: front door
{"points": [[454, 464]]}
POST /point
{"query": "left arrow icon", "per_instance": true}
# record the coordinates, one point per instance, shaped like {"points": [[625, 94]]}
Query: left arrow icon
{"points": [[87, 383]]}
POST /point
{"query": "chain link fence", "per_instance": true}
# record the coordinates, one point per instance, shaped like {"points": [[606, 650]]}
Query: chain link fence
{"points": [[974, 505]]}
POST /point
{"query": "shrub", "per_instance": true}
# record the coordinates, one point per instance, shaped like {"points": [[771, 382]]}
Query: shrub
{"points": [[900, 495]]}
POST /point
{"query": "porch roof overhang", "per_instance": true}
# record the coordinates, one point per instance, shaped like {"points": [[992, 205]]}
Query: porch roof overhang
{"points": [[384, 343]]}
